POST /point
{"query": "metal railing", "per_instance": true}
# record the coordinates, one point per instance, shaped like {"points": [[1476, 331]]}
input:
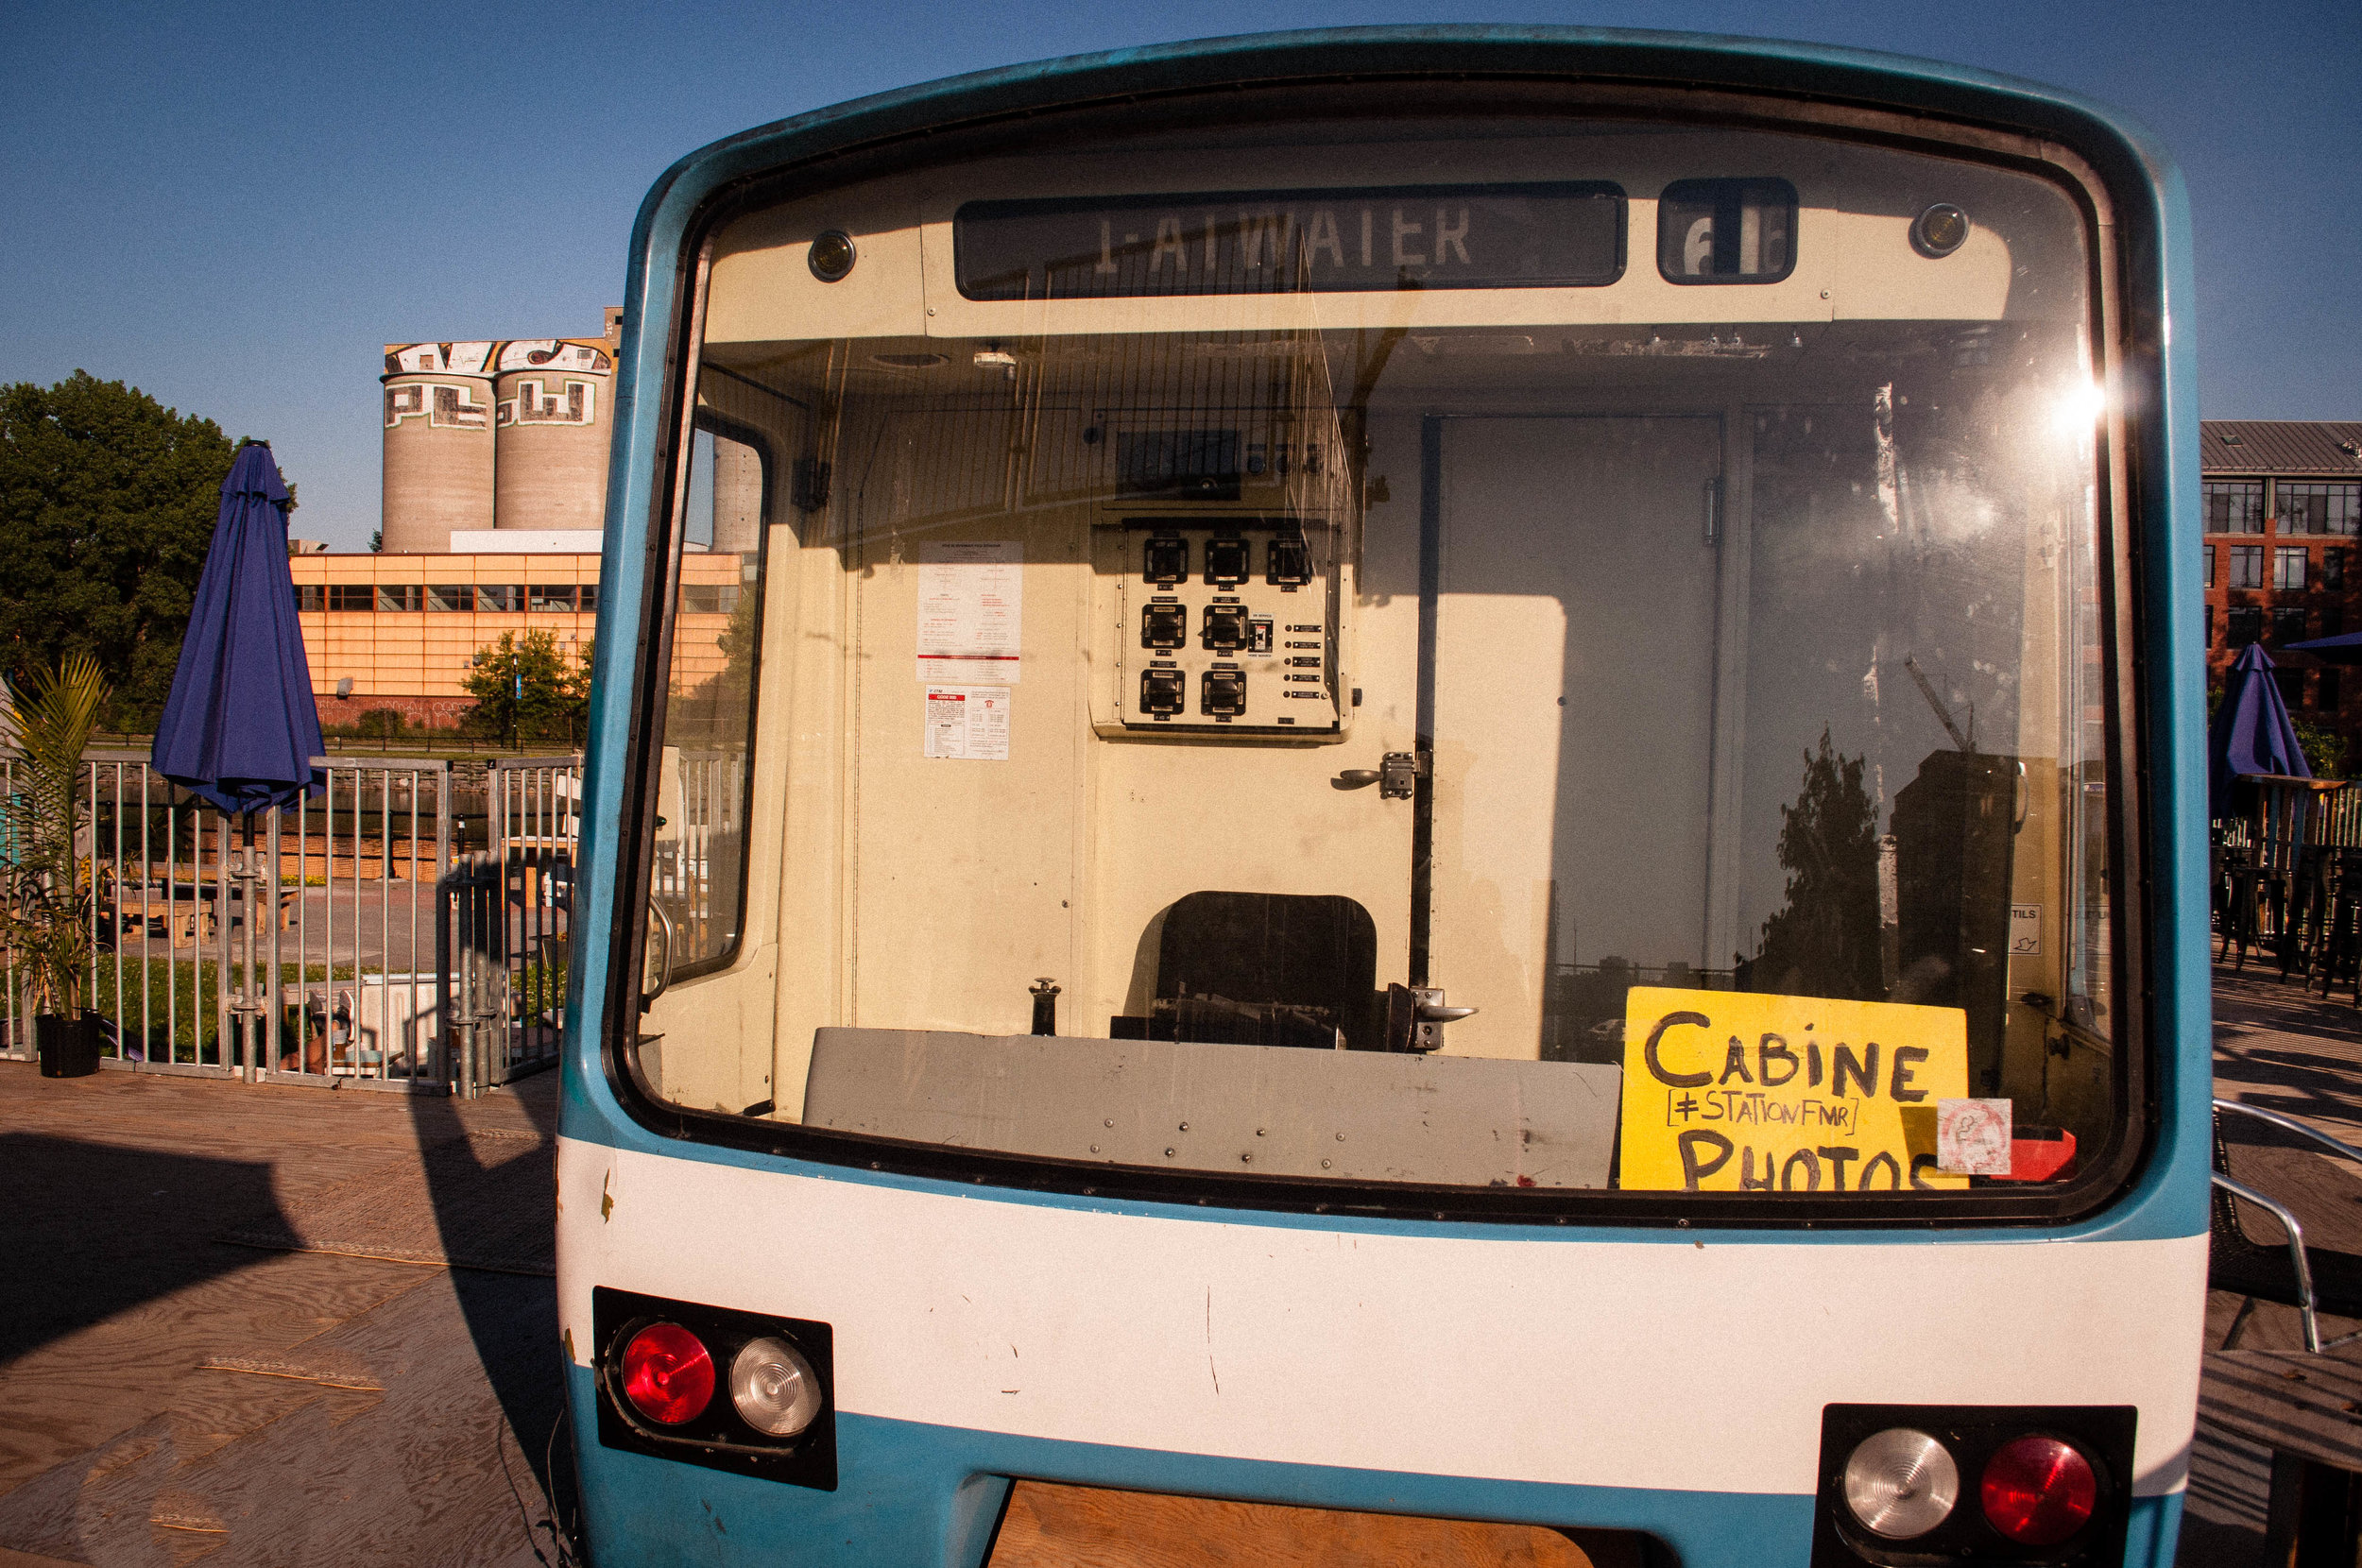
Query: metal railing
{"points": [[2335, 820], [362, 937]]}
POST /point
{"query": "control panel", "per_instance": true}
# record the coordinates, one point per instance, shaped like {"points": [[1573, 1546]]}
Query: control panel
{"points": [[1224, 623]]}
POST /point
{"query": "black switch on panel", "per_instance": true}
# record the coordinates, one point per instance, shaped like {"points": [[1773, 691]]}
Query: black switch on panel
{"points": [[1289, 562], [1164, 625], [1227, 562], [1225, 628], [1258, 637], [1223, 693], [1163, 692], [1166, 559]]}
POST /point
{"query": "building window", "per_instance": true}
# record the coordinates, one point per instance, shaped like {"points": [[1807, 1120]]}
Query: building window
{"points": [[2328, 688], [2288, 567], [351, 596], [709, 598], [2243, 625], [2333, 620], [2291, 684], [550, 596], [2210, 566], [450, 596], [499, 596], [589, 592], [2333, 569], [2307, 507], [309, 596], [2234, 505], [400, 596], [2287, 626], [2247, 566]]}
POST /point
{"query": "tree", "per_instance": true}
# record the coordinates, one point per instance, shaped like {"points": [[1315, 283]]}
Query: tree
{"points": [[715, 710], [108, 501], [524, 689], [1825, 942]]}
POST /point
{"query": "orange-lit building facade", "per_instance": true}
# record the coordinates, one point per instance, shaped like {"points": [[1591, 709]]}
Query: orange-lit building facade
{"points": [[402, 630]]}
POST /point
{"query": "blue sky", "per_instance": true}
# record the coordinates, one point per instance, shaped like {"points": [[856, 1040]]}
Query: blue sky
{"points": [[235, 206]]}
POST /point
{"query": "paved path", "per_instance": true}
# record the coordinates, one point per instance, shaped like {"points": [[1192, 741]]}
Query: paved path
{"points": [[168, 1395]]}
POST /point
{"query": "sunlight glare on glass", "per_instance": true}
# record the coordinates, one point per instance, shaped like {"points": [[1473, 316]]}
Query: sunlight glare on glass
{"points": [[2080, 407]]}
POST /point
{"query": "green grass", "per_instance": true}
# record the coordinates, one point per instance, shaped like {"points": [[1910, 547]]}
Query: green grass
{"points": [[193, 990]]}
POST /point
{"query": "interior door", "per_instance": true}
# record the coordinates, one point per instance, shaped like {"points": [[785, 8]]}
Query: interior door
{"points": [[1574, 583]]}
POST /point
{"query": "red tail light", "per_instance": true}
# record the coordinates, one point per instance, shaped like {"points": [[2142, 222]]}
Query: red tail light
{"points": [[668, 1376], [2038, 1490]]}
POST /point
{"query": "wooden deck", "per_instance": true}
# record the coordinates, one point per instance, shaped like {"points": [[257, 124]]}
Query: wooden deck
{"points": [[2278, 1047], [178, 1382]]}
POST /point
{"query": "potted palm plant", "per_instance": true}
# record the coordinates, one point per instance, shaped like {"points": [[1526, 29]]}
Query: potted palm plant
{"points": [[46, 920]]}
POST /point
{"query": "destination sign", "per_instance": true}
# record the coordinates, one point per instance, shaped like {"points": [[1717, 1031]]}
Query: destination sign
{"points": [[1564, 234]]}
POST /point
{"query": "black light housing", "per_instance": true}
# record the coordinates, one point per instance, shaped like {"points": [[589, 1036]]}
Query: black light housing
{"points": [[1971, 1436], [717, 1436]]}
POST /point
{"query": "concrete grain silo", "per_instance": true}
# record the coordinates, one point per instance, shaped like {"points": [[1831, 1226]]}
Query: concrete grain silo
{"points": [[551, 400], [439, 459]]}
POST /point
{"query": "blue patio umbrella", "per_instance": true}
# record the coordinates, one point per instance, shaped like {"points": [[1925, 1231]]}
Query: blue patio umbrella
{"points": [[241, 728], [2332, 650], [2252, 732]]}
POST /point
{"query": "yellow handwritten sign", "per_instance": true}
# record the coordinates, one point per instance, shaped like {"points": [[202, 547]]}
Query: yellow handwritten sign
{"points": [[1732, 1091]]}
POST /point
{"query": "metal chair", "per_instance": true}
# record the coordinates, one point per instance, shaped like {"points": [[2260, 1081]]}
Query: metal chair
{"points": [[2255, 892], [2306, 917], [2312, 1280]]}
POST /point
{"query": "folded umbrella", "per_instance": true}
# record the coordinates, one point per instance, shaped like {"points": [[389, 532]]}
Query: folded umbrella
{"points": [[240, 726], [2252, 732]]}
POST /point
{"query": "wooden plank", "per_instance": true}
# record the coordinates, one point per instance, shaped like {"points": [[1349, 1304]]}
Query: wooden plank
{"points": [[1051, 1526]]}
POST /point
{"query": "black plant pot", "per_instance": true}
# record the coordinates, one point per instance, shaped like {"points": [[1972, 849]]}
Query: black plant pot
{"points": [[68, 1047]]}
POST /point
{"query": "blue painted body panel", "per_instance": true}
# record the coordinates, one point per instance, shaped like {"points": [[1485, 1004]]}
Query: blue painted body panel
{"points": [[918, 1497], [903, 1483]]}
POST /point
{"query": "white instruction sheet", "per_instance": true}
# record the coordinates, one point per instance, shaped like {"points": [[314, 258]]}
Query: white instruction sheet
{"points": [[968, 723], [971, 611]]}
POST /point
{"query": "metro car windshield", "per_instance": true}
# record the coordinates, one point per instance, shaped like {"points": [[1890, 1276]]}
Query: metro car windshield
{"points": [[1507, 653]]}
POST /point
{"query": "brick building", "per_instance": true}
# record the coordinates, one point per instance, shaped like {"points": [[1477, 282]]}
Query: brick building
{"points": [[2283, 555]]}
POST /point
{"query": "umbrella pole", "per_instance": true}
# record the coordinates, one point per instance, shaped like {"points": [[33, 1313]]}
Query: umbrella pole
{"points": [[244, 1004], [249, 1004]]}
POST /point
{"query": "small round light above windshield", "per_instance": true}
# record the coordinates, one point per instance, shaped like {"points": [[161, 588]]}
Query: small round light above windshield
{"points": [[831, 255], [1940, 231]]}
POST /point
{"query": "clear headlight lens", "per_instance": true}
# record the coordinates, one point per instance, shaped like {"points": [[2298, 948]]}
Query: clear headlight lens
{"points": [[774, 1388], [1901, 1483]]}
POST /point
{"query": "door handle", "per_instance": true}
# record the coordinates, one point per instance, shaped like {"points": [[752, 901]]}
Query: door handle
{"points": [[1356, 778], [1415, 1016], [664, 974]]}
